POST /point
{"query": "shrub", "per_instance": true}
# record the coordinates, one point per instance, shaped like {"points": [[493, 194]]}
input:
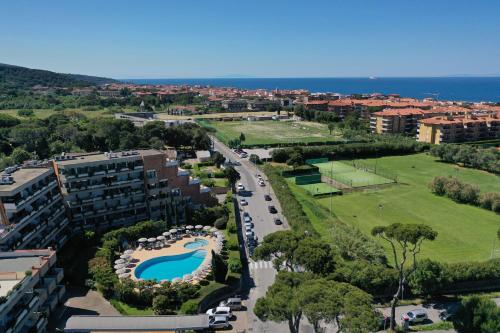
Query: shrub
{"points": [[235, 265], [464, 193], [427, 278], [232, 244], [162, 305], [221, 222], [25, 113], [189, 307]]}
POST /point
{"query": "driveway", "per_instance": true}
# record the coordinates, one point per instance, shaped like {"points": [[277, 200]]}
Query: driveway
{"points": [[81, 301]]}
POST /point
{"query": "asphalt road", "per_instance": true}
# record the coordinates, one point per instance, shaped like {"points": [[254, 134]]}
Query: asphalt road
{"points": [[259, 275]]}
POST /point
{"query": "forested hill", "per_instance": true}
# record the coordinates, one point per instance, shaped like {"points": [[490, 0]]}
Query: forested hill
{"points": [[16, 77]]}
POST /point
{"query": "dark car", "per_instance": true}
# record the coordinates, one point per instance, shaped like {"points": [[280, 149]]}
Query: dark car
{"points": [[267, 197], [278, 221], [272, 209]]}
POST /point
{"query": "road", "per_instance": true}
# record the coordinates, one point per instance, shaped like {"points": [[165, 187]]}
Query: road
{"points": [[258, 276]]}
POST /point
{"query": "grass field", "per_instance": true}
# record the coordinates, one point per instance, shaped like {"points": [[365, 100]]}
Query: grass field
{"points": [[319, 189], [349, 175], [272, 132], [465, 233]]}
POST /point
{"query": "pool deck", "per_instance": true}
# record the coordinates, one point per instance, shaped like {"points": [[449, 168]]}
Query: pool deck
{"points": [[173, 249]]}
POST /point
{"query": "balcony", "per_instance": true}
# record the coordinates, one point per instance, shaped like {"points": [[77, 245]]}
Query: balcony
{"points": [[49, 283], [42, 294], [41, 324], [61, 291]]}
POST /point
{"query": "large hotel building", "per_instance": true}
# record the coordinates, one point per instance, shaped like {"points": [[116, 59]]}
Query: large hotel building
{"points": [[40, 205]]}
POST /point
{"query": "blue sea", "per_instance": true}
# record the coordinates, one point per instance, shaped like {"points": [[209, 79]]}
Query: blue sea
{"points": [[474, 89]]}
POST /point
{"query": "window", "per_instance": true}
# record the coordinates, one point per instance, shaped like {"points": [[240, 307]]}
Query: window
{"points": [[151, 174]]}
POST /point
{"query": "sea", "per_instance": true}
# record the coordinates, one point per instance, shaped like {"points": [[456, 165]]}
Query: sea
{"points": [[473, 89]]}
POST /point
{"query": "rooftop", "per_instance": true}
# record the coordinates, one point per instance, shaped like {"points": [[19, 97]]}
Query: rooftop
{"points": [[135, 323], [96, 157], [22, 177], [13, 266]]}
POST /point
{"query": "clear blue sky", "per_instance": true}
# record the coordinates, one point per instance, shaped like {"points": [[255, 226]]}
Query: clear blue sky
{"points": [[260, 38]]}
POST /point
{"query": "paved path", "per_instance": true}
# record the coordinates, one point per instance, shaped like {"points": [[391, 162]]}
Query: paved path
{"points": [[81, 301]]}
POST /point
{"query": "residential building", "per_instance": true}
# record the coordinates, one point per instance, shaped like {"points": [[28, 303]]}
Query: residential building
{"points": [[109, 93], [316, 105], [30, 290], [450, 129], [234, 105], [139, 119], [32, 212], [399, 120], [115, 189], [263, 105]]}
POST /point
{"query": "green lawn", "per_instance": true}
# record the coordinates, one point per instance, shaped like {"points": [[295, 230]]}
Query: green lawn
{"points": [[466, 233], [349, 175], [272, 132]]}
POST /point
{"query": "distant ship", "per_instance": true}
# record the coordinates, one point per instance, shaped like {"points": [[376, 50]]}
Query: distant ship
{"points": [[372, 78]]}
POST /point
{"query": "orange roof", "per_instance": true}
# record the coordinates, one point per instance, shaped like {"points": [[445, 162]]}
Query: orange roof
{"points": [[317, 103], [457, 120], [401, 112]]}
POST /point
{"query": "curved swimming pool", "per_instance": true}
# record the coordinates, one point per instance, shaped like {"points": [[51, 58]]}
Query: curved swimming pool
{"points": [[170, 267], [196, 244]]}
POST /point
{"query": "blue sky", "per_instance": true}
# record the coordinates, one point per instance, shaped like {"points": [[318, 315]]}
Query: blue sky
{"points": [[273, 38]]}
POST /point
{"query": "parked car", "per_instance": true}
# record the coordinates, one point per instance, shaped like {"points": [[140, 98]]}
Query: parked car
{"points": [[240, 187], [250, 235], [234, 303], [272, 209], [220, 311], [267, 197], [248, 227], [247, 219], [415, 316], [250, 224], [278, 221], [261, 183], [218, 322], [245, 214], [243, 202]]}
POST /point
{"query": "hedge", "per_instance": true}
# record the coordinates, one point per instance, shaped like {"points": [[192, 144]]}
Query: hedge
{"points": [[291, 208], [389, 147]]}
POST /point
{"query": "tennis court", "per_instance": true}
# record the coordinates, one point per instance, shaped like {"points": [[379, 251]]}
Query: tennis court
{"points": [[351, 176]]}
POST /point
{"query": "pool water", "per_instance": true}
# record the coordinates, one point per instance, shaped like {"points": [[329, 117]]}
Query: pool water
{"points": [[170, 267], [196, 244]]}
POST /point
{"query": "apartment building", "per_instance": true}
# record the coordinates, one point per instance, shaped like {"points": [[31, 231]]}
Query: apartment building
{"points": [[104, 190], [450, 129], [30, 290], [317, 105], [234, 105], [32, 212], [263, 105], [399, 120]]}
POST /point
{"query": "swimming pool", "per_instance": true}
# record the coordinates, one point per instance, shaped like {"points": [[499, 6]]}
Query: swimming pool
{"points": [[197, 243], [170, 267]]}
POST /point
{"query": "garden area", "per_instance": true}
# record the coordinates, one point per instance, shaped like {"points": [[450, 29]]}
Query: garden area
{"points": [[208, 172], [273, 132]]}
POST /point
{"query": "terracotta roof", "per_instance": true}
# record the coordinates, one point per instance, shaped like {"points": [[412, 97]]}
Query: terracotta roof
{"points": [[401, 112]]}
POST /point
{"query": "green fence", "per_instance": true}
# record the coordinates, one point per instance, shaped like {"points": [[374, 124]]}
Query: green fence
{"points": [[308, 179], [317, 160]]}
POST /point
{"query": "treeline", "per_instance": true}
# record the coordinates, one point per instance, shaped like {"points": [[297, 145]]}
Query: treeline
{"points": [[43, 138], [62, 99], [16, 77], [384, 146], [461, 192], [469, 156], [430, 277]]}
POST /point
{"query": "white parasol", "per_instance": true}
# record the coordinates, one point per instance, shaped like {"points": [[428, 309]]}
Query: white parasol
{"points": [[124, 275], [119, 261], [128, 252], [199, 226], [143, 240], [151, 240]]}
